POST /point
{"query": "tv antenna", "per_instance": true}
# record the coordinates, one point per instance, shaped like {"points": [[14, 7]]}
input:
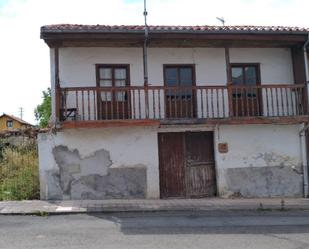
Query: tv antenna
{"points": [[145, 59], [145, 13], [221, 19]]}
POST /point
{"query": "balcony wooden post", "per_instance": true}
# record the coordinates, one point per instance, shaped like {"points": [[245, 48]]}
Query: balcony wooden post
{"points": [[146, 89], [230, 99], [300, 71], [305, 99], [57, 85]]}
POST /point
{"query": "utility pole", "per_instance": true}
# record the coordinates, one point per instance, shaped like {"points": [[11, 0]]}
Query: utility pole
{"points": [[145, 61], [145, 54], [21, 112]]}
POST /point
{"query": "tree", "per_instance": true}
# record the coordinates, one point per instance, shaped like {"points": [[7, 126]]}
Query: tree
{"points": [[43, 111]]}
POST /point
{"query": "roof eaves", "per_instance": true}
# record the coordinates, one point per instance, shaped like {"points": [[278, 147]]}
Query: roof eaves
{"points": [[174, 32]]}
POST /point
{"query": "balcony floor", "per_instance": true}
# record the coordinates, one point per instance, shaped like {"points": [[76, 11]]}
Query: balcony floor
{"points": [[216, 121]]}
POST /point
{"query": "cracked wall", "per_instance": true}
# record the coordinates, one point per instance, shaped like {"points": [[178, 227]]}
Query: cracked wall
{"points": [[98, 164], [262, 161], [274, 181], [92, 178]]}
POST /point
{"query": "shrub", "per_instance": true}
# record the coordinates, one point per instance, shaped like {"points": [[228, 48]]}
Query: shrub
{"points": [[19, 178]]}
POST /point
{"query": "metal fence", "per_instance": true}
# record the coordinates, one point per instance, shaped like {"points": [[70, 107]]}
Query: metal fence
{"points": [[19, 173]]}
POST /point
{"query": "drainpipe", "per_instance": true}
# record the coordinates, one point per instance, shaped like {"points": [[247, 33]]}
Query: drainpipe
{"points": [[306, 59], [302, 133], [306, 71], [145, 62]]}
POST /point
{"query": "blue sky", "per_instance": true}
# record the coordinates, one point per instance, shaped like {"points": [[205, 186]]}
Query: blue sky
{"points": [[3, 2], [24, 60]]}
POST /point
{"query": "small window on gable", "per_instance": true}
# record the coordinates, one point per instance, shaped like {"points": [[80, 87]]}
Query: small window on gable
{"points": [[9, 123]]}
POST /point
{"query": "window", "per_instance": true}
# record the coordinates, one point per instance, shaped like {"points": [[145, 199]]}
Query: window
{"points": [[246, 96], [182, 76], [179, 94], [245, 74], [113, 76], [113, 97], [9, 123]]}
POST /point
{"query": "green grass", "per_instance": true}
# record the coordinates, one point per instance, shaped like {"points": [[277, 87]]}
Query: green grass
{"points": [[19, 178]]}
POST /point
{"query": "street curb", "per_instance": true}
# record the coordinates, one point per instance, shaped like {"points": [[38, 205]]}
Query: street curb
{"points": [[42, 207], [152, 210]]}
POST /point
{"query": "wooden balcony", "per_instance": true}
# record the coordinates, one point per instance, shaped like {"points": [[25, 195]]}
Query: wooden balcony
{"points": [[139, 105]]}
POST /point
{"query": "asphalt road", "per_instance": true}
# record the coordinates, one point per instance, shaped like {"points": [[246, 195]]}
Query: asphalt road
{"points": [[239, 230]]}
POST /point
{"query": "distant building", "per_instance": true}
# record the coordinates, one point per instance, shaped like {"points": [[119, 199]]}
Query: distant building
{"points": [[9, 122]]}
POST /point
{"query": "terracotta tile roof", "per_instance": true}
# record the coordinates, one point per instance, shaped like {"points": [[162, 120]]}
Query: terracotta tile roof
{"points": [[16, 118], [76, 28]]}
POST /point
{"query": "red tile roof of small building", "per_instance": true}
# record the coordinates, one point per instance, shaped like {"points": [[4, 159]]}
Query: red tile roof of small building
{"points": [[76, 28], [16, 119]]}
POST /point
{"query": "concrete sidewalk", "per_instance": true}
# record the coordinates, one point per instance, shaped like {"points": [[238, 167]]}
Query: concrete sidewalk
{"points": [[211, 204]]}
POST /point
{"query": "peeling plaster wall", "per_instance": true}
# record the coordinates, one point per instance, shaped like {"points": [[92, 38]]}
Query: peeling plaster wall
{"points": [[260, 160], [99, 164]]}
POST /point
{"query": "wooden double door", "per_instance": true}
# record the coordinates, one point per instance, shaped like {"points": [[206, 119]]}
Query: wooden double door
{"points": [[187, 165]]}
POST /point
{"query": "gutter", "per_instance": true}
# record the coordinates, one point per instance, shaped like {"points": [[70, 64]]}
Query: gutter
{"points": [[302, 133]]}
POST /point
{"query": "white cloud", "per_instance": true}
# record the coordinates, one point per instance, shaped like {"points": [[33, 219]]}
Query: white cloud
{"points": [[24, 63]]}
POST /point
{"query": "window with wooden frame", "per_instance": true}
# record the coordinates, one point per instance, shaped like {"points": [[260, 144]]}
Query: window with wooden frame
{"points": [[179, 95], [9, 123], [113, 76], [245, 74], [112, 100], [246, 96]]}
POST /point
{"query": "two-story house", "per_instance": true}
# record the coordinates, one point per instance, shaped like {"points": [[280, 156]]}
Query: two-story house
{"points": [[195, 111]]}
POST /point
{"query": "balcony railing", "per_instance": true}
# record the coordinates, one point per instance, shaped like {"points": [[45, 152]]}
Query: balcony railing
{"points": [[192, 102]]}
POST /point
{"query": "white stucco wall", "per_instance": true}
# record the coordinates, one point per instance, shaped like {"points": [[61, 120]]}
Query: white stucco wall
{"points": [[77, 65], [209, 63], [275, 63], [250, 146], [264, 160], [128, 148], [257, 146], [77, 68]]}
